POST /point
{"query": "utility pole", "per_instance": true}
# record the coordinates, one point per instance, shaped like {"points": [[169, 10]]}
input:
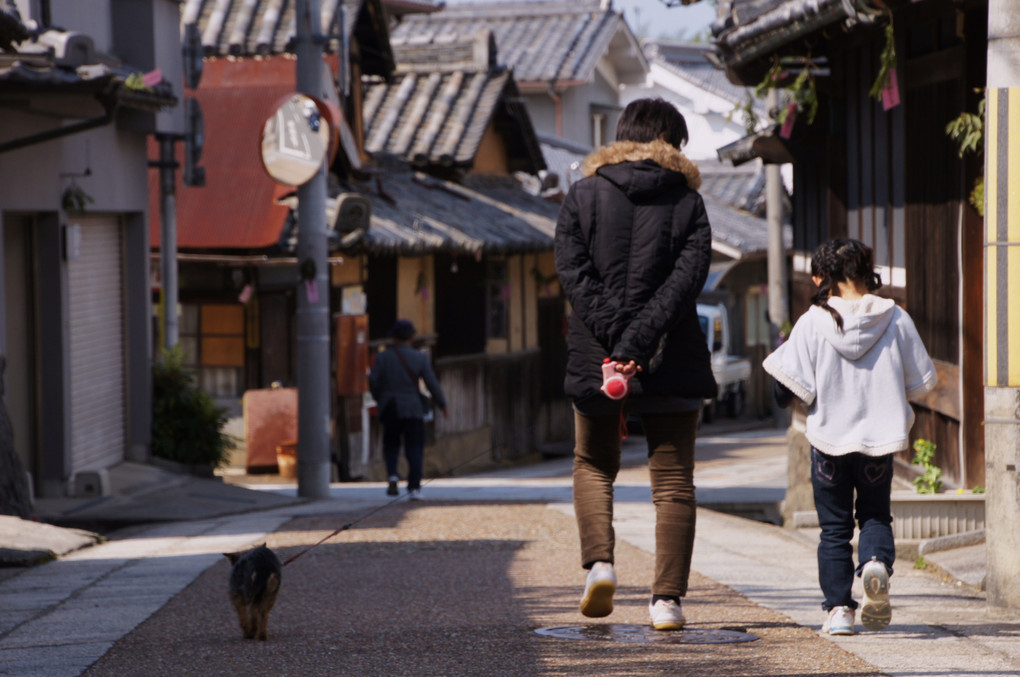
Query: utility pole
{"points": [[168, 238], [313, 458], [779, 312], [1002, 307]]}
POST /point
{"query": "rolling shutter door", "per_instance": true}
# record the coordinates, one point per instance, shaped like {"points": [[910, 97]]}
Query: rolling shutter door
{"points": [[96, 295]]}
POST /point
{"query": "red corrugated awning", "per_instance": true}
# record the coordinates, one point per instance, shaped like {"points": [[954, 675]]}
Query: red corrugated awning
{"points": [[237, 207]]}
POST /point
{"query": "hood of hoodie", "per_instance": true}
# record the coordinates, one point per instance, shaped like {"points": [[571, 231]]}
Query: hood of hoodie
{"points": [[864, 322], [643, 169]]}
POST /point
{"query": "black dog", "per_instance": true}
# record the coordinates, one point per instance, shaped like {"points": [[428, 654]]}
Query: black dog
{"points": [[254, 582]]}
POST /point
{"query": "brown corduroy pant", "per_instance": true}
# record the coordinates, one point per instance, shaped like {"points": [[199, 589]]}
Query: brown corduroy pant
{"points": [[670, 439]]}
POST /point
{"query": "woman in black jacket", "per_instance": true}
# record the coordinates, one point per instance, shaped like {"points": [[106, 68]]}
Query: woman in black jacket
{"points": [[633, 246]]}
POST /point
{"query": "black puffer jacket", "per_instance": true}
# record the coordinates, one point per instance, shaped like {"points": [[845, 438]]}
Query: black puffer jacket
{"points": [[633, 245]]}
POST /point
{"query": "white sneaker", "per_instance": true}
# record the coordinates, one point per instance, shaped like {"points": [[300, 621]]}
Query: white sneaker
{"points": [[840, 621], [876, 612], [599, 588], [666, 615], [414, 495]]}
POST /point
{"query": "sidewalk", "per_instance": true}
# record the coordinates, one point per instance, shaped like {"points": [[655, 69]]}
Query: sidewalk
{"points": [[455, 584]]}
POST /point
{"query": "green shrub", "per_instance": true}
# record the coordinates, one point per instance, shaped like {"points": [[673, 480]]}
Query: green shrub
{"points": [[187, 425], [930, 481]]}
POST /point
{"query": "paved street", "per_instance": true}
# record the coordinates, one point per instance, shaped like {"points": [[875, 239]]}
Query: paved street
{"points": [[457, 584]]}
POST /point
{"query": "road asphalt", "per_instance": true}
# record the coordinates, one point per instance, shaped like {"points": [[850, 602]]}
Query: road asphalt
{"points": [[480, 578]]}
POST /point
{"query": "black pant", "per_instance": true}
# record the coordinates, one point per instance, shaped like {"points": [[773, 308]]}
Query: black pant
{"points": [[412, 432]]}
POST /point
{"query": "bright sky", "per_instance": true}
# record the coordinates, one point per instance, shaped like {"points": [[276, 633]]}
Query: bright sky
{"points": [[652, 19]]}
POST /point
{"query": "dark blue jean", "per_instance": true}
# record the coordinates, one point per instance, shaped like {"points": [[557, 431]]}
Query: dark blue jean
{"points": [[835, 479], [412, 432]]}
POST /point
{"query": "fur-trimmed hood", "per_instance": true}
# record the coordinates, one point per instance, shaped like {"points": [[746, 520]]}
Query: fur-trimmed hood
{"points": [[659, 152]]}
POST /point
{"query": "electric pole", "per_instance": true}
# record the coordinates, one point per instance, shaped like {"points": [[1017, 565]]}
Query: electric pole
{"points": [[779, 312], [313, 458], [1002, 307]]}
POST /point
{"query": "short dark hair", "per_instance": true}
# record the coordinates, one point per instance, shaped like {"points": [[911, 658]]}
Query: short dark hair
{"points": [[645, 120], [402, 330]]}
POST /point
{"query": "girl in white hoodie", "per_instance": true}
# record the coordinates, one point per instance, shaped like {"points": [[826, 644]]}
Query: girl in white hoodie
{"points": [[854, 359]]}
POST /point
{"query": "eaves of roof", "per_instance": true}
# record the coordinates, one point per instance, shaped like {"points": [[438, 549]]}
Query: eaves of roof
{"points": [[765, 144], [30, 69], [776, 24]]}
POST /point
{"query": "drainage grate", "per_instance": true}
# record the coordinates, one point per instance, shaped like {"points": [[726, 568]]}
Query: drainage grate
{"points": [[646, 634]]}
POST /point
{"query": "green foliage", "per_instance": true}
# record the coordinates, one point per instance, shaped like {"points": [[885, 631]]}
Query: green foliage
{"points": [[137, 82], [888, 60], [187, 425], [924, 455], [802, 92], [978, 489], [977, 196], [919, 563], [968, 131], [746, 110], [75, 199]]}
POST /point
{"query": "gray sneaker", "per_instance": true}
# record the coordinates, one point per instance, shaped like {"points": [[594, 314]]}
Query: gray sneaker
{"points": [[840, 621], [876, 612], [414, 495], [599, 588]]}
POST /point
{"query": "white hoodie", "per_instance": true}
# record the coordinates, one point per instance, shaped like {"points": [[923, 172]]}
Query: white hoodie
{"points": [[855, 382]]}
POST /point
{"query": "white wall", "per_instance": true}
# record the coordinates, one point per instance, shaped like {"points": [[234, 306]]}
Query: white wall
{"points": [[704, 111]]}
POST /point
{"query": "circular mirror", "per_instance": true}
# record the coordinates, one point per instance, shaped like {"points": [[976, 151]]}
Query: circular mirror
{"points": [[296, 140]]}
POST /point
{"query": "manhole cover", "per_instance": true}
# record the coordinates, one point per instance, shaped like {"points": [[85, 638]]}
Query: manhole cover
{"points": [[644, 633]]}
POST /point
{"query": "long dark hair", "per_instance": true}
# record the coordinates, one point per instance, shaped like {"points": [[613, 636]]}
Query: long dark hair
{"points": [[645, 120], [842, 260]]}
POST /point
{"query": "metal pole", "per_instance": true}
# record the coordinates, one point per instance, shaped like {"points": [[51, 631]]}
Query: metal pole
{"points": [[778, 310], [168, 238], [313, 293], [1002, 307]]}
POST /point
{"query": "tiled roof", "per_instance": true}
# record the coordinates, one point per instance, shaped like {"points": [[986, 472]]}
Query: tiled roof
{"points": [[748, 29], [437, 109], [413, 213], [30, 63], [242, 210], [548, 41], [689, 61], [263, 27]]}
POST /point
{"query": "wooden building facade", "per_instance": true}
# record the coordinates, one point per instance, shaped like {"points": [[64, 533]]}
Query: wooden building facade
{"points": [[888, 174]]}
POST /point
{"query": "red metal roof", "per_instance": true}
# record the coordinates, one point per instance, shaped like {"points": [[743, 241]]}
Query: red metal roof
{"points": [[237, 207]]}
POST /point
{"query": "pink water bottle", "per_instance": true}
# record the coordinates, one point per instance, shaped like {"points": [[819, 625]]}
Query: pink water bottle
{"points": [[614, 384]]}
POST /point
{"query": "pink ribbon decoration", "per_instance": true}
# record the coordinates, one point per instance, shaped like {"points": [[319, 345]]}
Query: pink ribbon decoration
{"points": [[791, 116], [891, 91]]}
